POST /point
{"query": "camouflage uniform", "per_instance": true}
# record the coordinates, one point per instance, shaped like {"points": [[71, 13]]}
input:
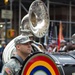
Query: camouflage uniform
{"points": [[12, 67]]}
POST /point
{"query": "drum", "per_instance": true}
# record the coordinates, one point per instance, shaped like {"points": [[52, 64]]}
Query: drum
{"points": [[48, 64], [39, 64], [65, 62]]}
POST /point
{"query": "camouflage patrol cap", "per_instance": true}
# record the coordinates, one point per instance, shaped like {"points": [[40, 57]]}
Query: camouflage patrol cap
{"points": [[22, 40], [62, 41], [30, 34], [73, 38]]}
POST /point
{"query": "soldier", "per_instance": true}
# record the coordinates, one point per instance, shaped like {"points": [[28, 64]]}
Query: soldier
{"points": [[71, 44], [63, 45], [31, 36], [23, 49]]}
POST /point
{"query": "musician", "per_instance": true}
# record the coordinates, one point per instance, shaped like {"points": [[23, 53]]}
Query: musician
{"points": [[63, 45], [53, 46], [23, 49], [71, 44], [31, 36]]}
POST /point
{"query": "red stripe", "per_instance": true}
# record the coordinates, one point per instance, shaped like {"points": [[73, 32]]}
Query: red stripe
{"points": [[60, 36]]}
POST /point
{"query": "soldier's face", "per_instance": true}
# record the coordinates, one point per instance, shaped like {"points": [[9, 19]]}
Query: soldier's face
{"points": [[25, 48]]}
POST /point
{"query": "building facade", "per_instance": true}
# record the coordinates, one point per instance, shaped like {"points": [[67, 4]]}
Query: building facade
{"points": [[63, 11]]}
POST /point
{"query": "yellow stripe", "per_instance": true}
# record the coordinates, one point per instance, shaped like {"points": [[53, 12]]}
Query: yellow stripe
{"points": [[41, 63]]}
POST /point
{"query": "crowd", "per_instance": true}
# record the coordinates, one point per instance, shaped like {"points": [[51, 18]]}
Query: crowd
{"points": [[65, 46], [23, 45]]}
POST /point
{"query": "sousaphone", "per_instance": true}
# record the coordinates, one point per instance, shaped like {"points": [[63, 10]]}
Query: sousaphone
{"points": [[38, 18], [37, 22]]}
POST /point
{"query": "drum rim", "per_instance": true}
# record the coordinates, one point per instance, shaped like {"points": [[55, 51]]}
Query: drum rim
{"points": [[31, 56]]}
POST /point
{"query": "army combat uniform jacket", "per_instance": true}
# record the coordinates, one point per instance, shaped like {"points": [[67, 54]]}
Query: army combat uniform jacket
{"points": [[12, 67]]}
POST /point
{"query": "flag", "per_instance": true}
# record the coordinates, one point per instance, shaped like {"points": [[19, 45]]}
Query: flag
{"points": [[50, 37], [51, 33], [60, 35]]}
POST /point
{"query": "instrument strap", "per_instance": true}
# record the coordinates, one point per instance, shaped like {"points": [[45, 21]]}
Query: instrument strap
{"points": [[18, 58]]}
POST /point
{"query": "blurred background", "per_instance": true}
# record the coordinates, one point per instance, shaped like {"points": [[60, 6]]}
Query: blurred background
{"points": [[12, 11]]}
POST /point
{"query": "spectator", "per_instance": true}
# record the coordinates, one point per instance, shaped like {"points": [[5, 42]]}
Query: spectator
{"points": [[2, 48], [53, 46], [3, 45]]}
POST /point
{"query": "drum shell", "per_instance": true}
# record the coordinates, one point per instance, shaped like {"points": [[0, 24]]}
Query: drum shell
{"points": [[65, 62], [72, 53]]}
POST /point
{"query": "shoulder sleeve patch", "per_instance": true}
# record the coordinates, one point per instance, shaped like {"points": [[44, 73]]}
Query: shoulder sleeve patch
{"points": [[8, 71]]}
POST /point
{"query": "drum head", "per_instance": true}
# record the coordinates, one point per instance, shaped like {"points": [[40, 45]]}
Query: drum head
{"points": [[39, 64]]}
